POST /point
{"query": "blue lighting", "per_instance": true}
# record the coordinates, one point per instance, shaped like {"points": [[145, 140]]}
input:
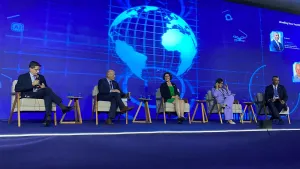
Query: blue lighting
{"points": [[17, 27]]}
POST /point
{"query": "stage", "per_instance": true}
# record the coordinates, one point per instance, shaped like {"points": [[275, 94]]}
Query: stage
{"points": [[119, 127], [156, 145]]}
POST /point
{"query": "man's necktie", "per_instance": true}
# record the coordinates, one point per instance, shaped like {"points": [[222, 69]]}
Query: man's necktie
{"points": [[275, 91], [111, 85]]}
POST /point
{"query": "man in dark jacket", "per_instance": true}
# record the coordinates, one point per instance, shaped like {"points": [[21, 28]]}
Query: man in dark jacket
{"points": [[109, 90], [34, 85], [276, 98]]}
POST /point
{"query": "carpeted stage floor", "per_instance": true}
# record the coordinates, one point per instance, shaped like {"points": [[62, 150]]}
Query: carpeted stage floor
{"points": [[148, 146]]}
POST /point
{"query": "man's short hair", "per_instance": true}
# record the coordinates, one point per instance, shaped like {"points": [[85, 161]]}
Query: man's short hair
{"points": [[33, 64], [110, 70], [275, 77]]}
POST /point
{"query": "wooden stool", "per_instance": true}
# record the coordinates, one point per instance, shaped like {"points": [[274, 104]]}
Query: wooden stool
{"points": [[250, 111], [147, 111], [78, 118], [203, 112]]}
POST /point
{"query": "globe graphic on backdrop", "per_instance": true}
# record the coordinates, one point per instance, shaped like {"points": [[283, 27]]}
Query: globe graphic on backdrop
{"points": [[150, 39]]}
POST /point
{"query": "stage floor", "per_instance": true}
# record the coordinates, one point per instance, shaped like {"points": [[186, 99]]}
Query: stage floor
{"points": [[148, 146], [119, 127]]}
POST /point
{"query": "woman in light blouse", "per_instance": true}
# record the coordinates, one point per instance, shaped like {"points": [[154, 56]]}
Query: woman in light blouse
{"points": [[225, 98], [170, 94]]}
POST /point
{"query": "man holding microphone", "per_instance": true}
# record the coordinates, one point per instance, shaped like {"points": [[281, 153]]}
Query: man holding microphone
{"points": [[34, 85]]}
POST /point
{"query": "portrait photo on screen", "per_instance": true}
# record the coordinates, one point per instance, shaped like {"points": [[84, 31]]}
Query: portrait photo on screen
{"points": [[276, 41], [296, 72]]}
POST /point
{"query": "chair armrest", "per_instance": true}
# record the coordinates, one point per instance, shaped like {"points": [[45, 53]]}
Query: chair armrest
{"points": [[260, 103], [158, 98], [126, 95], [95, 100]]}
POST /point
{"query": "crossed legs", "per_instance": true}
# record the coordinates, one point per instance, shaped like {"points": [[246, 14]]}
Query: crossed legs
{"points": [[115, 101], [49, 96]]}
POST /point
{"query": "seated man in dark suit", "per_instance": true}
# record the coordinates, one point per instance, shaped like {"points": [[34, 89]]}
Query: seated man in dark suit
{"points": [[34, 85], [276, 97], [109, 90]]}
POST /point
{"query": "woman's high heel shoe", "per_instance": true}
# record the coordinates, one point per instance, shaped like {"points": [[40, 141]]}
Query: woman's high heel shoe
{"points": [[231, 122]]}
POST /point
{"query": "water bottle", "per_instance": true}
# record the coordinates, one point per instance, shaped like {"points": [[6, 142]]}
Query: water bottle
{"points": [[70, 94], [79, 95], [149, 96]]}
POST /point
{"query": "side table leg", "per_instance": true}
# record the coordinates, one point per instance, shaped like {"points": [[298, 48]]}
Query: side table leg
{"points": [[204, 116], [148, 112], [250, 113], [126, 117], [195, 111], [254, 116], [76, 110], [244, 113], [70, 102], [63, 116], [79, 112], [137, 112], [202, 112]]}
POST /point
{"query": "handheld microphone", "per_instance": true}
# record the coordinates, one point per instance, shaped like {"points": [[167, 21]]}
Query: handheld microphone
{"points": [[37, 77]]}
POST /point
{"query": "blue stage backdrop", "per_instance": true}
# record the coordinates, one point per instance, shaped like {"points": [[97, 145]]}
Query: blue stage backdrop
{"points": [[196, 40]]}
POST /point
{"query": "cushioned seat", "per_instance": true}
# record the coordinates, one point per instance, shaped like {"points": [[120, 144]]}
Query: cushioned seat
{"points": [[103, 106], [169, 107], [163, 107], [26, 105], [215, 108], [262, 109]]}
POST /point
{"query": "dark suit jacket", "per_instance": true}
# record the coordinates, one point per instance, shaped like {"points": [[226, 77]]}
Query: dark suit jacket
{"points": [[269, 93], [275, 47], [165, 92], [104, 89], [24, 84]]}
